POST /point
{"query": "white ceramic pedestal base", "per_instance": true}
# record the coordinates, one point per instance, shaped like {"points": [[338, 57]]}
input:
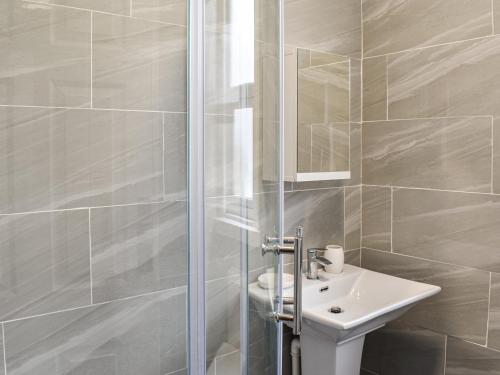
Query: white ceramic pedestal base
{"points": [[320, 355]]}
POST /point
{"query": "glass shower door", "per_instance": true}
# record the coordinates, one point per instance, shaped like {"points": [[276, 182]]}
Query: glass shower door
{"points": [[242, 189]]}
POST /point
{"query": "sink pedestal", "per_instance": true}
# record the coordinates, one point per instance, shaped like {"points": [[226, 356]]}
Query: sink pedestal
{"points": [[321, 355]]}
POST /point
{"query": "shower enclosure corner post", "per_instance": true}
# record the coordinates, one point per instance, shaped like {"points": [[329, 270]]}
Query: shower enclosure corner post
{"points": [[196, 193]]}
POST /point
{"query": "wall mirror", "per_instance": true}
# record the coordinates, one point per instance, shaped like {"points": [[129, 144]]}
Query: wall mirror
{"points": [[317, 115]]}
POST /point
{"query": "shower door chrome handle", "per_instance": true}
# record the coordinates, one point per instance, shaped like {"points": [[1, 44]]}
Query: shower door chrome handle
{"points": [[272, 245]]}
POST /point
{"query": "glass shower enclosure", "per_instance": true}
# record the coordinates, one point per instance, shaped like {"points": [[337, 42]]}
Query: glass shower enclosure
{"points": [[235, 183], [139, 173]]}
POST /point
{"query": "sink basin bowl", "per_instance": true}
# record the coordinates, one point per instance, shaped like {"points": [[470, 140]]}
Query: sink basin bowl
{"points": [[338, 310]]}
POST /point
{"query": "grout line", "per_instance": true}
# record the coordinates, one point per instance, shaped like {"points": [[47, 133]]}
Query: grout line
{"points": [[387, 87], [445, 349], [417, 49], [425, 259], [90, 263], [492, 153], [91, 59], [96, 207], [4, 351], [362, 31], [361, 221], [163, 155], [489, 305], [177, 289], [345, 198], [373, 122], [492, 17], [392, 217], [88, 108], [433, 189], [108, 13], [131, 7]]}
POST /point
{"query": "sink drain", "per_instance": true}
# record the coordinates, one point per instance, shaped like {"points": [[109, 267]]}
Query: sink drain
{"points": [[335, 310]]}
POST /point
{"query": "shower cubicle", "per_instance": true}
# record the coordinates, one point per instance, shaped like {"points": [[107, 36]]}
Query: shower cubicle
{"points": [[139, 173]]}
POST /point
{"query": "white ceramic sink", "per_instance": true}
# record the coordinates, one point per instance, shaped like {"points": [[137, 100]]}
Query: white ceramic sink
{"points": [[332, 343]]}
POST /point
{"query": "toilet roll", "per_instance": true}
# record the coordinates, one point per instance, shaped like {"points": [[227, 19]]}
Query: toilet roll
{"points": [[335, 254]]}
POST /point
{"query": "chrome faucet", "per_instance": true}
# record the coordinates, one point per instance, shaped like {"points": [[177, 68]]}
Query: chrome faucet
{"points": [[314, 261]]}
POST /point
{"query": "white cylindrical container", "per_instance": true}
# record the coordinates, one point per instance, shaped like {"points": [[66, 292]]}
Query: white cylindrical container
{"points": [[335, 254]]}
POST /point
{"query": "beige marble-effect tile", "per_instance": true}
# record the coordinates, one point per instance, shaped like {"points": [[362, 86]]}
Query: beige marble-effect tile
{"points": [[449, 154], [320, 212], [318, 58], [45, 55], [397, 25], [222, 316], [494, 322], [170, 11], [457, 228], [352, 217], [312, 25], [138, 249], [353, 257], [400, 349], [54, 158], [375, 89], [144, 335], [121, 7], [44, 263], [460, 309], [138, 64], [459, 79], [467, 358], [496, 15], [496, 156], [175, 155], [2, 359], [323, 94], [356, 90], [376, 217], [228, 364]]}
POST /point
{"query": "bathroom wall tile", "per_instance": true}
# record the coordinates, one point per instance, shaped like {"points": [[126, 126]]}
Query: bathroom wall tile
{"points": [[44, 263], [171, 11], [74, 158], [320, 212], [450, 227], [138, 64], [396, 25], [448, 80], [228, 364], [356, 90], [45, 55], [451, 154], [460, 309], [175, 155], [138, 249], [376, 217], [375, 89], [399, 349], [323, 58], [223, 316], [312, 24], [353, 257], [352, 217], [494, 322], [323, 94], [467, 358], [112, 6], [2, 359], [496, 156], [496, 16], [145, 335], [223, 237]]}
